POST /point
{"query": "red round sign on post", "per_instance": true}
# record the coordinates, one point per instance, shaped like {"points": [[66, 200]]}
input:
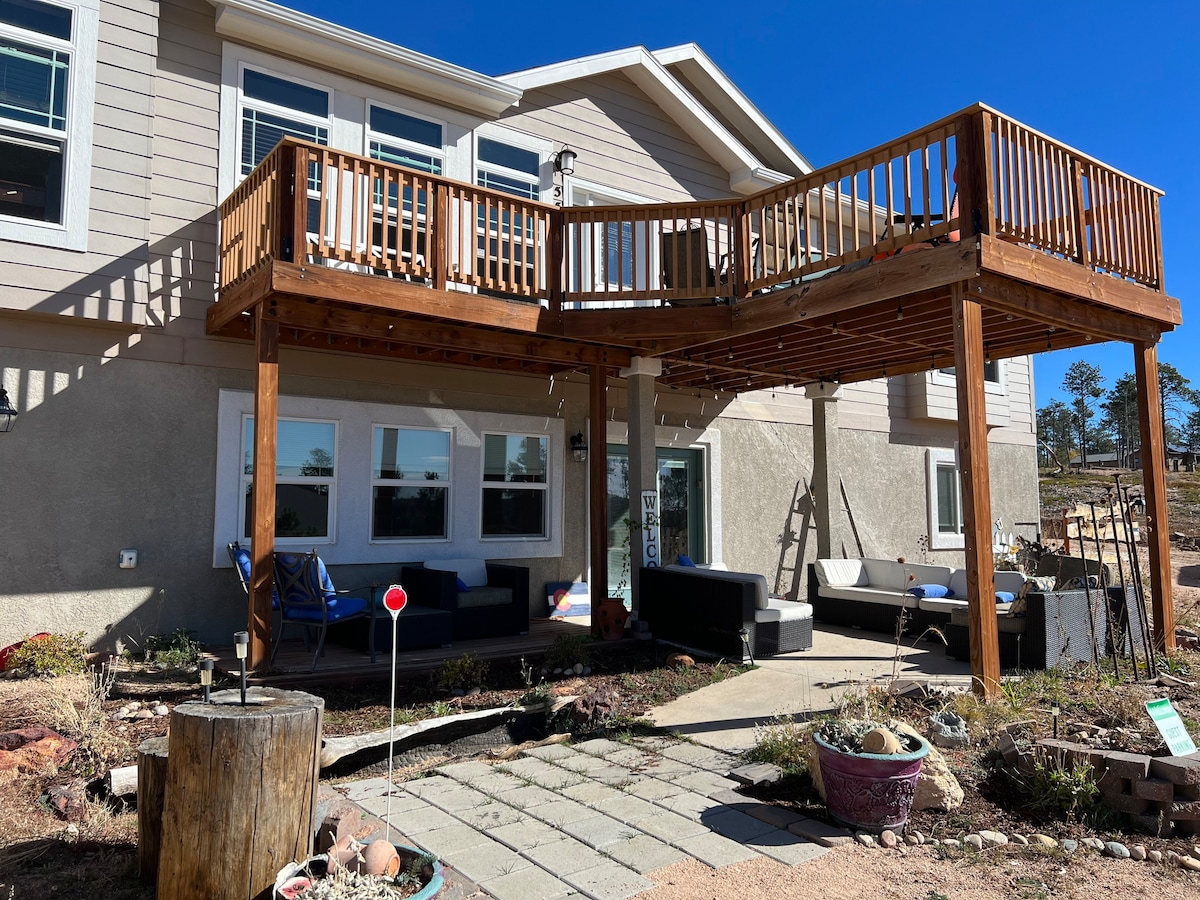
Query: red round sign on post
{"points": [[395, 599]]}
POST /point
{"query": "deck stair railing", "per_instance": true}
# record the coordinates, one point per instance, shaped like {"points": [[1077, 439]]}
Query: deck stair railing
{"points": [[975, 172]]}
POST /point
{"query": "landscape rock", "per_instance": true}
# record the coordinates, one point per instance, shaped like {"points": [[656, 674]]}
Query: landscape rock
{"points": [[1190, 863], [948, 729], [914, 839], [974, 841], [1137, 852], [1068, 846], [937, 788], [681, 661], [161, 710], [69, 800], [1043, 840], [888, 839], [867, 840], [1155, 856], [32, 750], [1116, 850], [952, 843], [993, 838], [1093, 843], [1020, 840]]}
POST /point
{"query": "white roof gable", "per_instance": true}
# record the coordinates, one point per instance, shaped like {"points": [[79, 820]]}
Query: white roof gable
{"points": [[747, 173]]}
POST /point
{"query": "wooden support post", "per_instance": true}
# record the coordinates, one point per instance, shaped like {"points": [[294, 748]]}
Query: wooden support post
{"points": [[976, 491], [1154, 481], [152, 780], [240, 794], [598, 489], [972, 135], [555, 271], [262, 542], [441, 254]]}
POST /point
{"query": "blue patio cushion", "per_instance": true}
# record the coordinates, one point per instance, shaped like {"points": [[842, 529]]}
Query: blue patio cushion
{"points": [[339, 608], [685, 560], [242, 556], [301, 607], [932, 591]]}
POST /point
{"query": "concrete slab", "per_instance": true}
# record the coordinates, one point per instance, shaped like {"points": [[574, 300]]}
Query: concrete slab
{"points": [[564, 856], [821, 832], [527, 796], [703, 782], [418, 821], [592, 793], [599, 747], [689, 804], [626, 809], [724, 715], [644, 853], [463, 771], [451, 842], [370, 787], [670, 827], [400, 804], [483, 862], [541, 773], [787, 848], [533, 883], [598, 831], [561, 812], [715, 850], [653, 789], [461, 797], [492, 815], [582, 763], [551, 752], [609, 881], [735, 825], [526, 835]]}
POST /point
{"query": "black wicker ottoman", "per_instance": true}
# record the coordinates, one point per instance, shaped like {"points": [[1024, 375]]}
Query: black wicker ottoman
{"points": [[785, 627]]}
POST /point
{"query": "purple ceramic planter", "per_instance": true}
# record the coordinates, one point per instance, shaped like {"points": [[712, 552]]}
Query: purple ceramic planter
{"points": [[870, 791]]}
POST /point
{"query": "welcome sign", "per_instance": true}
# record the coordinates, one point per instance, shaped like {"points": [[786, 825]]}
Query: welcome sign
{"points": [[651, 558]]}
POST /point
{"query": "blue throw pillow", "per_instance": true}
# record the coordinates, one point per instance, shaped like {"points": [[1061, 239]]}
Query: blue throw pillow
{"points": [[462, 586], [932, 591], [685, 560], [1005, 596]]}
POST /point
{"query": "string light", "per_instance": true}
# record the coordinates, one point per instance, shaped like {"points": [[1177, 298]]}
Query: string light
{"points": [[899, 313]]}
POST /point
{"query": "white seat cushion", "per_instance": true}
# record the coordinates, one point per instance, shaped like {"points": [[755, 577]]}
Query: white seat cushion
{"points": [[1004, 581], [783, 611], [921, 574], [871, 595], [473, 572], [940, 604], [885, 573], [839, 572]]}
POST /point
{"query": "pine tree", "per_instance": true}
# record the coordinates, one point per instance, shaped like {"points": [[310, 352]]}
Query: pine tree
{"points": [[1082, 382]]}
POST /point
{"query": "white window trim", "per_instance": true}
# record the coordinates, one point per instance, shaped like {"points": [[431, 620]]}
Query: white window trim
{"points": [[285, 112], [425, 149], [997, 388], [355, 419], [519, 486], [448, 484], [72, 233], [619, 198], [936, 458], [542, 147], [330, 536]]}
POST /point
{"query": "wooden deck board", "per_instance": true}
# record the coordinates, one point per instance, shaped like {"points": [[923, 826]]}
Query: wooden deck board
{"points": [[343, 664]]}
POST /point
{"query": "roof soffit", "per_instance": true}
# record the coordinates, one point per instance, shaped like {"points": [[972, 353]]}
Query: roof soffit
{"points": [[276, 28]]}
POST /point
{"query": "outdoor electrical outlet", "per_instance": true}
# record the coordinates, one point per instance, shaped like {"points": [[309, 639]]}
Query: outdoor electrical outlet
{"points": [[128, 559]]}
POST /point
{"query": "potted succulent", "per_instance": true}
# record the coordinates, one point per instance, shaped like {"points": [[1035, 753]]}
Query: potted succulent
{"points": [[375, 871], [869, 772]]}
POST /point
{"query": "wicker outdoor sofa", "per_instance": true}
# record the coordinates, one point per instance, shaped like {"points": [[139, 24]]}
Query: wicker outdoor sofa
{"points": [[707, 610]]}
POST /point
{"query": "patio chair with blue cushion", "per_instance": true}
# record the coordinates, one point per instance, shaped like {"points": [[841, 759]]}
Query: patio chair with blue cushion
{"points": [[308, 598], [242, 565]]}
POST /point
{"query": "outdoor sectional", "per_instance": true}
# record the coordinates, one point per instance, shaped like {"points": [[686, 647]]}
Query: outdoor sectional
{"points": [[707, 609], [484, 599], [870, 593]]}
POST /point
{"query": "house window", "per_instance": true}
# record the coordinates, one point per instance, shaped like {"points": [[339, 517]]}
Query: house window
{"points": [[405, 140], [514, 485], [410, 483], [991, 371], [606, 258], [47, 73], [945, 501], [513, 170], [305, 478], [274, 108]]}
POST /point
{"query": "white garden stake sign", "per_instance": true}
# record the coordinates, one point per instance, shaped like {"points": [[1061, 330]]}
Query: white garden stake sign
{"points": [[394, 600]]}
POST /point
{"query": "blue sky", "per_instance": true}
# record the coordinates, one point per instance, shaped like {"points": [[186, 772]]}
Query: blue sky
{"points": [[1117, 80]]}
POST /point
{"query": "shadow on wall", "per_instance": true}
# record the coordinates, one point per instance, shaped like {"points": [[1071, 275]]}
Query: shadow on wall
{"points": [[793, 543]]}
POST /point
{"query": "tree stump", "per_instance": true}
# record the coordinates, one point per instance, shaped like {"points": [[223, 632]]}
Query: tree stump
{"points": [[152, 778], [240, 793]]}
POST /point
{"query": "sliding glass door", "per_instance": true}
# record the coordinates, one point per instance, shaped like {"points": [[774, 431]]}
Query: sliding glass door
{"points": [[681, 511]]}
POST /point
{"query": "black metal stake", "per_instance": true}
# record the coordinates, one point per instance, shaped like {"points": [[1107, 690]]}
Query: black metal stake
{"points": [[1117, 549], [1087, 588], [1135, 565], [1112, 642]]}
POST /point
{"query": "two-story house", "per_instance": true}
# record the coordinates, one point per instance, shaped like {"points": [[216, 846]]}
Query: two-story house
{"points": [[482, 266]]}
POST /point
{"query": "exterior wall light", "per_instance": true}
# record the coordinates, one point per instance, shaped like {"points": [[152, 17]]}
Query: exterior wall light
{"points": [[8, 412], [579, 447], [564, 161]]}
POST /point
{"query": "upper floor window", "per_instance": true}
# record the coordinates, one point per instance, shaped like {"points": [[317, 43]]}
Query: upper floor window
{"points": [[47, 70], [273, 108], [410, 483], [305, 478], [405, 140], [514, 485], [513, 170]]}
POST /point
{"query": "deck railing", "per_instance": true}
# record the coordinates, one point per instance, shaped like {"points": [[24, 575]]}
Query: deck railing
{"points": [[306, 203]]}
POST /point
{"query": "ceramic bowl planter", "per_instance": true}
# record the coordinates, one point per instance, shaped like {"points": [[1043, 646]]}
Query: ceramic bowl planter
{"points": [[613, 615], [870, 791], [290, 884]]}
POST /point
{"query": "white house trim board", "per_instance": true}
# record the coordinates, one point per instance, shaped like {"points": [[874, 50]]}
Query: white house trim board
{"points": [[725, 96], [747, 172], [272, 27]]}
